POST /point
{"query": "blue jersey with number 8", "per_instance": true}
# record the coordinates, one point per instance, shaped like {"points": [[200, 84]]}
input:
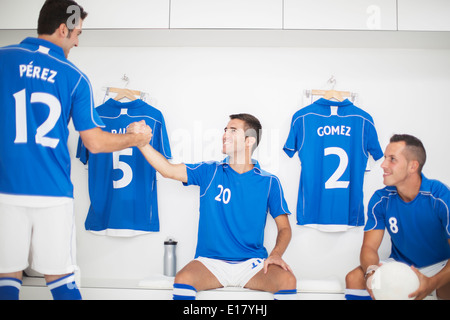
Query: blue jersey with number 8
{"points": [[419, 229]]}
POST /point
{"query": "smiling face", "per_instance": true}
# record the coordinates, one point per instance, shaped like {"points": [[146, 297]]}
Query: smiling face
{"points": [[234, 137], [396, 166]]}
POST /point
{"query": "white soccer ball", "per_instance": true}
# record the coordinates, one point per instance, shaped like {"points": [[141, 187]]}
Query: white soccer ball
{"points": [[394, 281]]}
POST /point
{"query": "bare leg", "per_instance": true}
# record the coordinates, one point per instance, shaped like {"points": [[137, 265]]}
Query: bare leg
{"points": [[197, 275], [274, 280]]}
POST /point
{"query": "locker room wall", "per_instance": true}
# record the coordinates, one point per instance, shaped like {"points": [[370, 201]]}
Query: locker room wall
{"points": [[196, 88]]}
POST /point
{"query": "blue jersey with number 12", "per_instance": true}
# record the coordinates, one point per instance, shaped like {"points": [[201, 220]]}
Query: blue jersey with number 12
{"points": [[40, 91], [333, 140]]}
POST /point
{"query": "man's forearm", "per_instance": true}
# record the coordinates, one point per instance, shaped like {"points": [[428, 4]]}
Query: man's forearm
{"points": [[162, 165]]}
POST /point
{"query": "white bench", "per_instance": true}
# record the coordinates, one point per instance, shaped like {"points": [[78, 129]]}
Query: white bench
{"points": [[159, 287]]}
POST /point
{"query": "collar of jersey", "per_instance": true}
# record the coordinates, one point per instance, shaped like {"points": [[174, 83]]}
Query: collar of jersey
{"points": [[127, 104], [256, 167], [328, 103], [425, 186], [57, 50]]}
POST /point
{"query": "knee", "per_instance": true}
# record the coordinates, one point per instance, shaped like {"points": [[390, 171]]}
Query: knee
{"points": [[288, 282], [355, 279], [183, 277]]}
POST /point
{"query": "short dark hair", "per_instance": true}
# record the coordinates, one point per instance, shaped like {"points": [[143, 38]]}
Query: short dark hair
{"points": [[252, 127], [414, 147], [55, 12]]}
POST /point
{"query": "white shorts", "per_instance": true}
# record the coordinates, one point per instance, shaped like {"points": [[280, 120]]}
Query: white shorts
{"points": [[44, 236], [233, 273]]}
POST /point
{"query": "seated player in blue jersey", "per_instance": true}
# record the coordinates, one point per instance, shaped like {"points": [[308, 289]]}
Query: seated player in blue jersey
{"points": [[40, 93], [235, 196], [415, 212]]}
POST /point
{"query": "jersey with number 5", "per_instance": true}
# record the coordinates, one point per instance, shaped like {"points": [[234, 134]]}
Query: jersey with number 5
{"points": [[333, 141], [40, 91], [419, 229], [122, 184]]}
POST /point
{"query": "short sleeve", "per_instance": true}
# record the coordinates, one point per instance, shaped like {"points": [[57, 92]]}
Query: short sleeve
{"points": [[277, 202], [442, 206], [84, 115], [164, 146], [82, 152], [375, 213], [373, 144], [295, 137], [200, 173]]}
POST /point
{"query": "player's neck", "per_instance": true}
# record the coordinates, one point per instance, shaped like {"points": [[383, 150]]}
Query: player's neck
{"points": [[410, 189], [51, 38], [241, 163]]}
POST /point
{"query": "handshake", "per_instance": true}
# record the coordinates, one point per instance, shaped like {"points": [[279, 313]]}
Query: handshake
{"points": [[142, 132]]}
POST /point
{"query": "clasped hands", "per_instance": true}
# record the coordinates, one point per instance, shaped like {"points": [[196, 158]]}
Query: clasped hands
{"points": [[142, 131]]}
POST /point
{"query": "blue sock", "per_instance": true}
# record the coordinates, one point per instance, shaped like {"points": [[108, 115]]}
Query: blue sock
{"points": [[357, 294], [183, 292], [65, 288], [285, 295], [10, 288]]}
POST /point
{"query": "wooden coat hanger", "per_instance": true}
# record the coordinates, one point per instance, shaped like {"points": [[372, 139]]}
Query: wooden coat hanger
{"points": [[332, 94], [124, 93]]}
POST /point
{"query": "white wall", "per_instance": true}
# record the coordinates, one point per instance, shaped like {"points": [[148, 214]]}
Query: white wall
{"points": [[197, 88]]}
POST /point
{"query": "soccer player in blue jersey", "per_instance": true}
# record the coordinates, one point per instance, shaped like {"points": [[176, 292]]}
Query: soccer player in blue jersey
{"points": [[415, 212], [235, 196], [40, 92]]}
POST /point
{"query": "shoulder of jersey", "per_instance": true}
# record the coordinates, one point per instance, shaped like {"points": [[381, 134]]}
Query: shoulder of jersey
{"points": [[385, 192], [438, 188]]}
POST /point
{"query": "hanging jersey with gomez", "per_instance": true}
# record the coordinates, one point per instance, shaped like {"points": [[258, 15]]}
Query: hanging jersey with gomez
{"points": [[122, 184], [233, 209], [333, 141], [40, 91], [419, 229]]}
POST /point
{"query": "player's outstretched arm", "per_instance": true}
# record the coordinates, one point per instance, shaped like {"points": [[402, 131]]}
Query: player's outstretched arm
{"points": [[156, 159], [162, 165], [96, 140]]}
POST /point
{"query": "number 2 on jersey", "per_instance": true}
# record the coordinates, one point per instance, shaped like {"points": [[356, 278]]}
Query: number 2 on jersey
{"points": [[332, 182]]}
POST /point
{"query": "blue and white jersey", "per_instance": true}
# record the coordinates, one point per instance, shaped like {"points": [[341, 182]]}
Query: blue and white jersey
{"points": [[40, 91], [122, 184], [419, 229], [233, 209], [333, 141]]}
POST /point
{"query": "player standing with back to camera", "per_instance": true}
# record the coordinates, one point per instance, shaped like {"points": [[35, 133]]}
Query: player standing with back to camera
{"points": [[415, 212], [40, 91], [235, 197]]}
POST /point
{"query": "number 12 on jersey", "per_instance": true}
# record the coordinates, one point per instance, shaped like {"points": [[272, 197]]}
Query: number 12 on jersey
{"points": [[21, 117]]}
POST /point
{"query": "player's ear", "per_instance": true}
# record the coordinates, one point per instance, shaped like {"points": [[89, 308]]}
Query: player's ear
{"points": [[62, 30], [250, 142], [413, 166]]}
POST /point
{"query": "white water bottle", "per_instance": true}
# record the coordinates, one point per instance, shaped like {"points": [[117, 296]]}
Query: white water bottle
{"points": [[170, 258]]}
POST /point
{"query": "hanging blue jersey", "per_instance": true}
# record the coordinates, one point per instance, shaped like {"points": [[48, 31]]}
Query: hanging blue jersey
{"points": [[233, 209], [419, 229], [333, 140], [122, 184], [40, 91]]}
